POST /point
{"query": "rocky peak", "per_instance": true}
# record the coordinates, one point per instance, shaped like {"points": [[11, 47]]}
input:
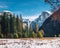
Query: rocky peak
{"points": [[56, 15]]}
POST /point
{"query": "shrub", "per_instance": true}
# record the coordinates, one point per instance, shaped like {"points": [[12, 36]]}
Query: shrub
{"points": [[40, 34], [11, 35], [15, 35], [1, 35], [19, 35], [33, 35], [59, 35], [26, 35]]}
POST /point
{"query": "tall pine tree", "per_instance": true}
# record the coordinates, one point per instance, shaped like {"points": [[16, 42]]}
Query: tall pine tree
{"points": [[18, 24], [36, 28], [21, 25]]}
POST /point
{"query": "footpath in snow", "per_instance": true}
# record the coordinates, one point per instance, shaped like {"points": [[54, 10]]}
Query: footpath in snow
{"points": [[30, 43]]}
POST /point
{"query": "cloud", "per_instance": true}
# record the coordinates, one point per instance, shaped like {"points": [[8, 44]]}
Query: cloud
{"points": [[31, 18], [3, 6]]}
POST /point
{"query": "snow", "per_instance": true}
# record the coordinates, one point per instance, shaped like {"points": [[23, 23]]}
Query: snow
{"points": [[30, 43]]}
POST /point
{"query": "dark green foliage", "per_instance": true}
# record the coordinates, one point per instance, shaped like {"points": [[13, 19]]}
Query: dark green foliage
{"points": [[3, 24], [17, 23], [9, 25], [20, 35], [36, 28], [26, 35], [32, 35], [21, 23], [14, 24], [15, 35], [38, 34], [0, 27], [1, 35], [12, 27], [58, 35]]}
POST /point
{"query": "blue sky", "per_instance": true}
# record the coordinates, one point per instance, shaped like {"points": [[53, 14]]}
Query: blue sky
{"points": [[25, 7]]}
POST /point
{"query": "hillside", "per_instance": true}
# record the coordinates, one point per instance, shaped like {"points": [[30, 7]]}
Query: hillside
{"points": [[51, 26]]}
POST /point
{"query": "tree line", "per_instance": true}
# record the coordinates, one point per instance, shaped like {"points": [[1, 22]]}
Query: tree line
{"points": [[11, 26]]}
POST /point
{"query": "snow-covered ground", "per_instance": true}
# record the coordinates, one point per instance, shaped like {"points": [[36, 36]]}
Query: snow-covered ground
{"points": [[30, 43]]}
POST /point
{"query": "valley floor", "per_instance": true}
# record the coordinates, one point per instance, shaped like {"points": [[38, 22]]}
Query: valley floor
{"points": [[30, 43]]}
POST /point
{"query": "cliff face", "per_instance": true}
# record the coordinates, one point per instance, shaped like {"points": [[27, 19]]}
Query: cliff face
{"points": [[51, 26]]}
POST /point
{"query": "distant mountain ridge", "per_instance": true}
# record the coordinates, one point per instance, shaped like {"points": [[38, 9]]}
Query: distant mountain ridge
{"points": [[51, 25], [44, 15]]}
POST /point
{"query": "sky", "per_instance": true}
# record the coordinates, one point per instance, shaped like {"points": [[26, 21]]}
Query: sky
{"points": [[24, 7]]}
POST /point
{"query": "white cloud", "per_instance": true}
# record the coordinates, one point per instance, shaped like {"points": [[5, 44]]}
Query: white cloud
{"points": [[3, 6], [31, 18]]}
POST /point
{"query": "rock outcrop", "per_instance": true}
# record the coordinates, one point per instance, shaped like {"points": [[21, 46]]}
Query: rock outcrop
{"points": [[51, 26]]}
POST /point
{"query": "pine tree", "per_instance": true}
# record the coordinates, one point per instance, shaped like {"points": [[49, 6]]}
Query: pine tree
{"points": [[40, 34], [8, 26], [0, 22], [3, 23], [18, 24], [55, 4], [12, 23], [0, 27], [21, 23], [33, 35], [36, 28], [30, 29]]}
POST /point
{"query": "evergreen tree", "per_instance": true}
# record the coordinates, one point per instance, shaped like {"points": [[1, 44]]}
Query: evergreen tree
{"points": [[0, 23], [18, 24], [36, 28], [0, 27], [40, 33], [26, 34], [8, 24], [1, 35], [21, 25], [33, 35], [30, 29], [12, 24], [15, 35], [3, 23]]}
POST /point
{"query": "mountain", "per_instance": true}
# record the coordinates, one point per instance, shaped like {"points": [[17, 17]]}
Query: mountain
{"points": [[7, 12], [51, 25], [44, 15], [26, 23], [42, 18]]}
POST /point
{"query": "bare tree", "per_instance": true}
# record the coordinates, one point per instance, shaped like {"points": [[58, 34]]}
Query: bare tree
{"points": [[55, 4]]}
